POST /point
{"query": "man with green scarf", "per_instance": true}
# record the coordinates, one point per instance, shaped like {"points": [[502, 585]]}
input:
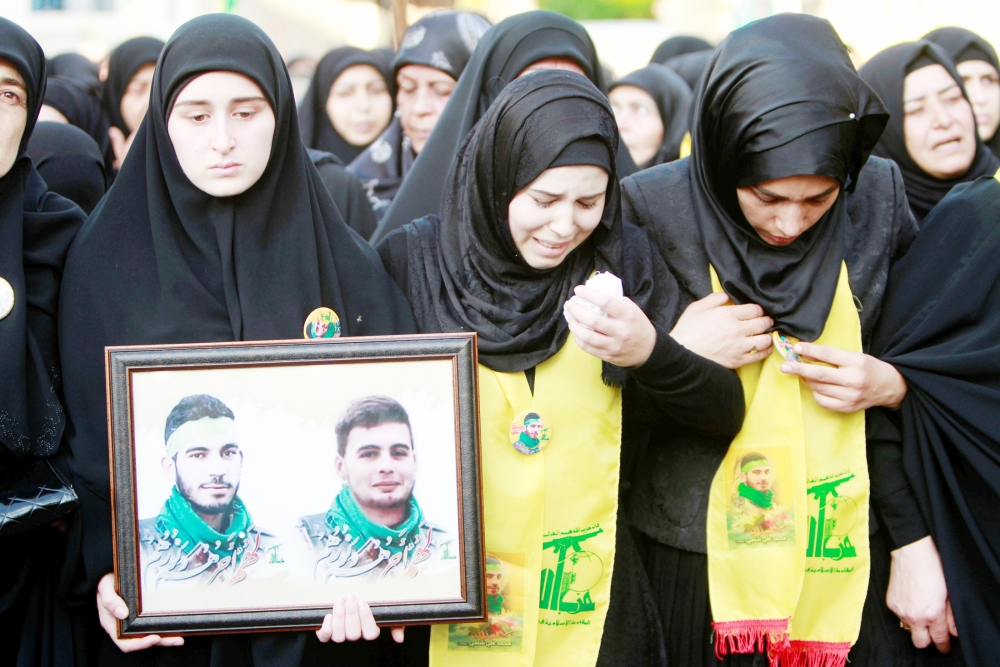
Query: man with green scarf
{"points": [[204, 534], [753, 510], [375, 527]]}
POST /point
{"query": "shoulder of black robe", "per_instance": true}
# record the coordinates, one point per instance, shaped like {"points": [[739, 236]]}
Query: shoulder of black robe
{"points": [[82, 107], [69, 162], [678, 46], [314, 123], [445, 41], [36, 229], [76, 67], [464, 271], [885, 73], [940, 328], [780, 98], [159, 261], [505, 51], [123, 62], [673, 99], [347, 192], [690, 66], [963, 45]]}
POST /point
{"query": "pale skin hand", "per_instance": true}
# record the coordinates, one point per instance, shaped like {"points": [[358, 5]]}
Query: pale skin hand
{"points": [[729, 335], [625, 337], [111, 608], [120, 145], [856, 382], [918, 594], [350, 620]]}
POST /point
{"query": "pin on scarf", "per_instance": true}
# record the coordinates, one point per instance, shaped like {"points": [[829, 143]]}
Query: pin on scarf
{"points": [[6, 298], [785, 347]]}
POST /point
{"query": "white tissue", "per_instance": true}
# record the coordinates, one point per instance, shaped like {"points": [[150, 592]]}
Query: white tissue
{"points": [[605, 282]]}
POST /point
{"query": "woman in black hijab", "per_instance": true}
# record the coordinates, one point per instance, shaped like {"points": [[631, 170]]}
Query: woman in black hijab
{"points": [[473, 269], [944, 117], [939, 327], [780, 103], [690, 66], [70, 163], [505, 52], [36, 229], [976, 61], [124, 63], [314, 121], [638, 100], [76, 67], [431, 58], [79, 106], [192, 267], [678, 46]]}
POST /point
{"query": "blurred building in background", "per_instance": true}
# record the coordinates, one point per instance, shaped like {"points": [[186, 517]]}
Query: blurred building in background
{"points": [[625, 31]]}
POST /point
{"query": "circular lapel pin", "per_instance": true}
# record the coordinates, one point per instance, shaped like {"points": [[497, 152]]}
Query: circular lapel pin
{"points": [[321, 323], [6, 298], [530, 432], [784, 347]]}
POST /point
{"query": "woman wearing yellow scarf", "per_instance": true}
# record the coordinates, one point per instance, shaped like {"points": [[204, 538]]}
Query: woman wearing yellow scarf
{"points": [[760, 544], [530, 213]]}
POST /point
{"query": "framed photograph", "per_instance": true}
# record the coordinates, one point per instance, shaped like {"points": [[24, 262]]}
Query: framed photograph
{"points": [[254, 483]]}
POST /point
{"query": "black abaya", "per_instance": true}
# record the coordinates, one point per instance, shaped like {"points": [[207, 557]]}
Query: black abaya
{"points": [[673, 100], [69, 162], [886, 73], [314, 123], [160, 261], [505, 51], [940, 328]]}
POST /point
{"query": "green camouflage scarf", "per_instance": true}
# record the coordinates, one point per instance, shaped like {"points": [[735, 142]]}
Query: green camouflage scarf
{"points": [[180, 523], [348, 517]]}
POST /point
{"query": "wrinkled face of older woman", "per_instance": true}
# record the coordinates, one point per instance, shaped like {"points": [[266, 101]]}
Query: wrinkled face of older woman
{"points": [[222, 127], [557, 212], [938, 123], [422, 95], [13, 114]]}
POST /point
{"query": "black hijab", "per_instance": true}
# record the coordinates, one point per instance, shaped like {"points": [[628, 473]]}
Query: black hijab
{"points": [[465, 273], [160, 261], [76, 67], [505, 51], [885, 73], [690, 66], [69, 162], [124, 61], [780, 98], [82, 108], [940, 327], [673, 99], [36, 228], [442, 40], [963, 45], [678, 46], [314, 123]]}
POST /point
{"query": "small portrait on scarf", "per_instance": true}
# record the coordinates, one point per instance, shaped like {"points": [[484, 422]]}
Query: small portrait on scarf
{"points": [[276, 486], [757, 514], [505, 598]]}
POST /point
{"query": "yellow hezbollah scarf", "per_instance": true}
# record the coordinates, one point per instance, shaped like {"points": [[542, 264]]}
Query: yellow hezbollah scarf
{"points": [[549, 515], [788, 558]]}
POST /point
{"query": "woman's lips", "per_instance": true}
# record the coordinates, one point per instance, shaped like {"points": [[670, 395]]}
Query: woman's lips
{"points": [[778, 240], [549, 249], [949, 145], [226, 168]]}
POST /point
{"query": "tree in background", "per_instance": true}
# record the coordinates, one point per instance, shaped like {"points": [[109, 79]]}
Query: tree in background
{"points": [[583, 10]]}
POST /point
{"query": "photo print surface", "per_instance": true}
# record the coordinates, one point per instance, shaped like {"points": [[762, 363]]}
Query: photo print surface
{"points": [[275, 486]]}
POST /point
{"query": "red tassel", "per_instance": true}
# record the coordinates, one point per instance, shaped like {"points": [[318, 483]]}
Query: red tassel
{"points": [[810, 654], [752, 636]]}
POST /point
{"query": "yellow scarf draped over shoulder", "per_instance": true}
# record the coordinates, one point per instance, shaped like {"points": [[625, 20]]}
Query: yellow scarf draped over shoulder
{"points": [[788, 558], [549, 516]]}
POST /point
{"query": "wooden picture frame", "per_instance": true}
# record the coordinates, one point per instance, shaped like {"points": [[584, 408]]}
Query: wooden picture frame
{"points": [[180, 473]]}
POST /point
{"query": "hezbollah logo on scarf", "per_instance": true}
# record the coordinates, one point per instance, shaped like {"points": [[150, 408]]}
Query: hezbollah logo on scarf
{"points": [[179, 523], [345, 515], [791, 499]]}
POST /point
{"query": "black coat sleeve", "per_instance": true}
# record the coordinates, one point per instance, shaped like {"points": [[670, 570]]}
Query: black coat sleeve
{"points": [[394, 251], [349, 196]]}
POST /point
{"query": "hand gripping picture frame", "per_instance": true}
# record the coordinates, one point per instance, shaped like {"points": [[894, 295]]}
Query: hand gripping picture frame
{"points": [[253, 483]]}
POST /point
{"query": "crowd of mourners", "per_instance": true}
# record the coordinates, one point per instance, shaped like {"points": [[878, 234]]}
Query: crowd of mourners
{"points": [[791, 419]]}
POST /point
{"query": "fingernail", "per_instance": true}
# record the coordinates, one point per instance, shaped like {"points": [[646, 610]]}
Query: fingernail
{"points": [[121, 612], [797, 347], [786, 368]]}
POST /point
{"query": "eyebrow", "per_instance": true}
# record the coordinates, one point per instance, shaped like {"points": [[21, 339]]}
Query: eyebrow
{"points": [[8, 81], [235, 100], [765, 191], [943, 90], [558, 195]]}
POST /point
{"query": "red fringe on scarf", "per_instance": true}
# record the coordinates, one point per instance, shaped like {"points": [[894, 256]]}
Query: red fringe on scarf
{"points": [[810, 654], [751, 636]]}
